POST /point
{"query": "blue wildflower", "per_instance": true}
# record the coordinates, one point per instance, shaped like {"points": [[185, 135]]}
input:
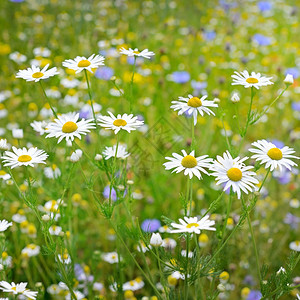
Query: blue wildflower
{"points": [[181, 76], [264, 6], [150, 225], [104, 73], [261, 39], [293, 71]]}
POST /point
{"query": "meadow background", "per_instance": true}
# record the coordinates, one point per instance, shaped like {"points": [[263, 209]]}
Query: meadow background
{"points": [[197, 45]]}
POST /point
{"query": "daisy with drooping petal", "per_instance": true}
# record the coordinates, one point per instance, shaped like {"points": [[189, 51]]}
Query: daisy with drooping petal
{"points": [[192, 225], [39, 126], [270, 155], [188, 163], [36, 74], [4, 225], [193, 105], [234, 173], [253, 80], [82, 63], [24, 157], [67, 126], [126, 122], [19, 288], [111, 152], [135, 52]]}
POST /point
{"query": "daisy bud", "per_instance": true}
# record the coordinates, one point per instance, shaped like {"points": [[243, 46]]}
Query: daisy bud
{"points": [[17, 133], [289, 79], [4, 145], [46, 218], [98, 157], [61, 234], [156, 240], [130, 182], [221, 287], [281, 270], [76, 155], [216, 100], [235, 98]]}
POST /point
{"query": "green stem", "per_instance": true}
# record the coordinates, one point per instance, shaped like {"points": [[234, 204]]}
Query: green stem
{"points": [[268, 107], [163, 281], [131, 85], [48, 100], [253, 242], [90, 95], [135, 261], [186, 284]]}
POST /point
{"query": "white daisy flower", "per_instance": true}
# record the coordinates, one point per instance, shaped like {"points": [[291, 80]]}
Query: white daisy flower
{"points": [[234, 173], [24, 157], [126, 122], [169, 243], [31, 250], [188, 163], [111, 257], [19, 288], [267, 153], [55, 230], [193, 105], [135, 52], [39, 126], [65, 258], [253, 80], [133, 285], [67, 126], [4, 225], [111, 152], [41, 51], [82, 63], [36, 74], [192, 225], [4, 145], [52, 172], [295, 246]]}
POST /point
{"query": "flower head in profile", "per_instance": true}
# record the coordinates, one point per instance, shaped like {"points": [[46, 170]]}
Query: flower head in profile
{"points": [[193, 106], [188, 163], [81, 63], [125, 122], [36, 74], [17, 289], [253, 80], [270, 155], [232, 172], [113, 152], [135, 52], [24, 157], [4, 225], [192, 225], [68, 127]]}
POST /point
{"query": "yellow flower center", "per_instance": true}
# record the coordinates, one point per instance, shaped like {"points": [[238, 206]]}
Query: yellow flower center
{"points": [[297, 243], [69, 127], [194, 102], [4, 255], [189, 161], [84, 63], [275, 154], [136, 52], [14, 288], [113, 256], [234, 174], [2, 172], [37, 75], [192, 225], [120, 122], [252, 80], [65, 256], [24, 158], [131, 283]]}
